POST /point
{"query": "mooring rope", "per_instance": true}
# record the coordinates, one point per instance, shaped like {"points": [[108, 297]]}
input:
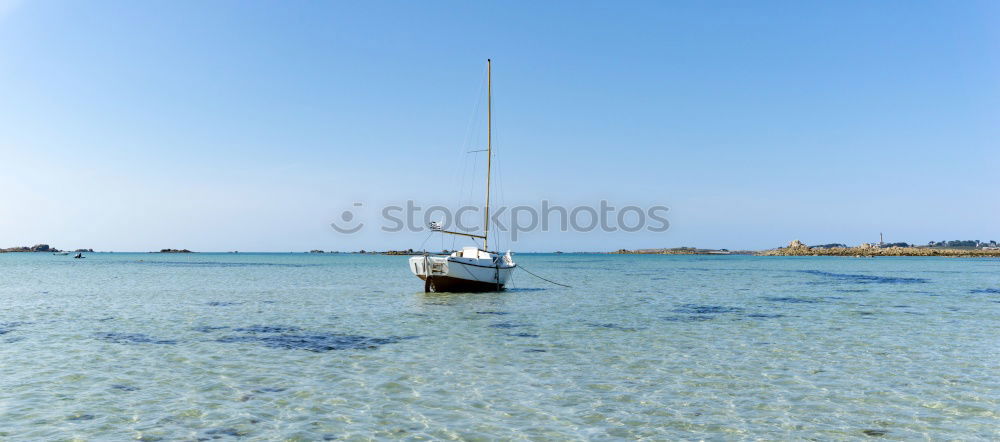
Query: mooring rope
{"points": [[520, 266]]}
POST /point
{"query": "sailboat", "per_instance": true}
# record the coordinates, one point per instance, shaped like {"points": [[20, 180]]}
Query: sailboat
{"points": [[471, 269]]}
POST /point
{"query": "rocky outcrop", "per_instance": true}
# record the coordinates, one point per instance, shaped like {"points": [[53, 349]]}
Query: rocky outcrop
{"points": [[84, 250], [174, 251], [401, 252], [797, 248], [34, 248], [681, 251]]}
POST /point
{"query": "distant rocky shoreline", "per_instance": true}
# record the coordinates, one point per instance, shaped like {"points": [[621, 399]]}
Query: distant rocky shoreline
{"points": [[372, 252], [794, 248], [797, 248], [45, 248], [41, 248], [683, 251]]}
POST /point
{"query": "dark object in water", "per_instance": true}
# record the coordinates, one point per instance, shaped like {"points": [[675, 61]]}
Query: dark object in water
{"points": [[535, 350], [764, 315], [222, 303], [508, 325], [209, 328], [522, 335], [689, 318], [267, 329], [124, 387], [79, 255], [989, 291], [610, 326], [217, 433], [270, 390], [315, 342], [866, 279], [874, 433], [81, 417], [705, 309], [791, 300], [493, 313], [131, 338], [7, 327]]}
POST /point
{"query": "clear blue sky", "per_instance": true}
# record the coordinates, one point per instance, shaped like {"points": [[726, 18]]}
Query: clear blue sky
{"points": [[229, 125]]}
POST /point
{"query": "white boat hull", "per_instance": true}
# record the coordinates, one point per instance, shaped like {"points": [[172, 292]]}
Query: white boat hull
{"points": [[459, 274]]}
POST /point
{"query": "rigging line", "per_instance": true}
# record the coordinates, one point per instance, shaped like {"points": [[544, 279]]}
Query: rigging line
{"points": [[473, 131], [495, 183], [501, 185], [425, 240], [470, 124], [470, 130], [502, 237], [471, 188], [483, 96], [461, 181], [502, 172], [520, 266], [475, 164]]}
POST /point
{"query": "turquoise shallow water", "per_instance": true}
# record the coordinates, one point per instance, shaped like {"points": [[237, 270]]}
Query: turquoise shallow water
{"points": [[307, 347]]}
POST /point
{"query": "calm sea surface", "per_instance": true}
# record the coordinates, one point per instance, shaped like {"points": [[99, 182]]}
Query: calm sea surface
{"points": [[307, 347]]}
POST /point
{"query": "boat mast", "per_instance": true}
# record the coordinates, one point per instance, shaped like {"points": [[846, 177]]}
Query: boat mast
{"points": [[489, 159], [489, 149]]}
